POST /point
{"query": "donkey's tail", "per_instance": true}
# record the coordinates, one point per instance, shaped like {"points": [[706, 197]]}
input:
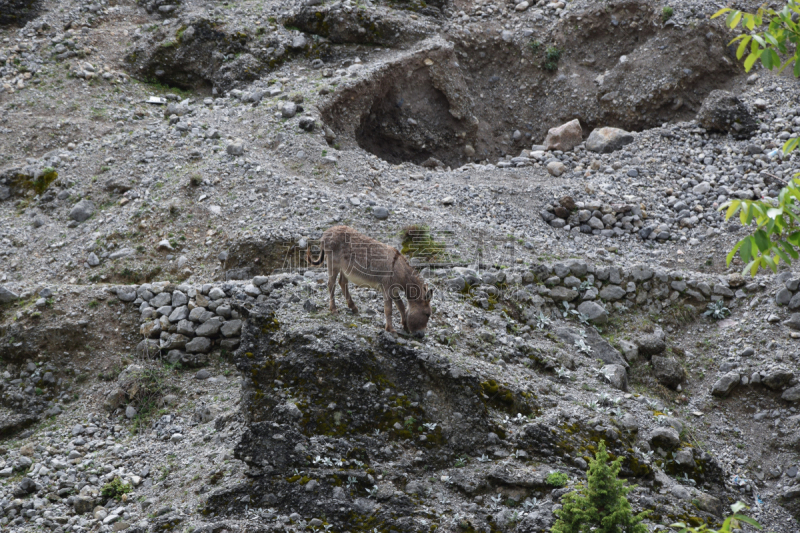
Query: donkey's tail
{"points": [[319, 260]]}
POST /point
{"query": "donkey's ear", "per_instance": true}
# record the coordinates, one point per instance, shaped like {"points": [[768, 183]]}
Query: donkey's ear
{"points": [[429, 295]]}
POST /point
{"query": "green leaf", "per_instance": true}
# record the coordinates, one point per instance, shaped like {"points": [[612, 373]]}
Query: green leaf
{"points": [[748, 520], [791, 144], [782, 255], [746, 216], [770, 262], [768, 37], [762, 240], [790, 250], [720, 12], [732, 208], [732, 253], [750, 61], [796, 70], [745, 252], [775, 59], [766, 60], [794, 239], [735, 20], [742, 46]]}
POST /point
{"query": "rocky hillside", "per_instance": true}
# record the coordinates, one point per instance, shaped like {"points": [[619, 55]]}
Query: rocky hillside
{"points": [[554, 171]]}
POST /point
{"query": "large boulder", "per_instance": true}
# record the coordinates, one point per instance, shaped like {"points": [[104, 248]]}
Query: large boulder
{"points": [[82, 210], [722, 111], [792, 394], [650, 344], [599, 348], [668, 372], [665, 437], [776, 379], [594, 312], [200, 53], [725, 385], [7, 296], [380, 25], [616, 376], [564, 137], [607, 140]]}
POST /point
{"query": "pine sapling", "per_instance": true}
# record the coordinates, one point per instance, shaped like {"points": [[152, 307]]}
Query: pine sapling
{"points": [[600, 506]]}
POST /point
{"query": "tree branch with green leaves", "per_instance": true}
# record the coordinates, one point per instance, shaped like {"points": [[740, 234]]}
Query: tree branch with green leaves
{"points": [[769, 36]]}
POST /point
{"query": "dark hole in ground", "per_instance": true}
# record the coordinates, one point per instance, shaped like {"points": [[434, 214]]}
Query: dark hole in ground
{"points": [[479, 98], [410, 122]]}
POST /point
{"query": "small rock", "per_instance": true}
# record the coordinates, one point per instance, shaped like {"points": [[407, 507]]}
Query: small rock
{"points": [[556, 168], [235, 148], [288, 109]]}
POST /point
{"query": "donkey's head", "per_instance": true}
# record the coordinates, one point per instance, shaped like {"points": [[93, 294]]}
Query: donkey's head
{"points": [[419, 310]]}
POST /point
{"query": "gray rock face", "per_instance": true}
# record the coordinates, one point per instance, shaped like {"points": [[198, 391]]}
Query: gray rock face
{"points": [[616, 376], [669, 372], [186, 327], [792, 394], [612, 292], [82, 211], [607, 140], [179, 298], [160, 300], [199, 345], [652, 343], [231, 328], [722, 111], [7, 296], [725, 385], [209, 328], [776, 379], [563, 294], [667, 438], [18, 12], [600, 348], [793, 322], [200, 314], [83, 504], [216, 293], [595, 312]]}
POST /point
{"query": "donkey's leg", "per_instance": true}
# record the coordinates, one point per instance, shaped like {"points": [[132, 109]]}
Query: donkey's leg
{"points": [[332, 273], [402, 308], [387, 310], [343, 281]]}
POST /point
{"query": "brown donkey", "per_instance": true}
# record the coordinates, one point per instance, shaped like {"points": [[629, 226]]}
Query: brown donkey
{"points": [[354, 257]]}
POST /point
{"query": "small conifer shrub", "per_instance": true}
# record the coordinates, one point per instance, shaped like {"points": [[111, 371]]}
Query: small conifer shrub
{"points": [[600, 506]]}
